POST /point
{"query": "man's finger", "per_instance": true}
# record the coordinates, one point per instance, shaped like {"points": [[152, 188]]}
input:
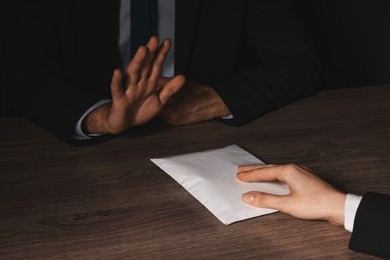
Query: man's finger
{"points": [[162, 81], [159, 60], [135, 66], [116, 85], [152, 46], [170, 88]]}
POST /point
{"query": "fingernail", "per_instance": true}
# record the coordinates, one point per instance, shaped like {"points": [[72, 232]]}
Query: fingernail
{"points": [[248, 198]]}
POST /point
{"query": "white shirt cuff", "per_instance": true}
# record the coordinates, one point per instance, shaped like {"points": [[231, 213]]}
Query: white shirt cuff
{"points": [[228, 117], [351, 205], [79, 132]]}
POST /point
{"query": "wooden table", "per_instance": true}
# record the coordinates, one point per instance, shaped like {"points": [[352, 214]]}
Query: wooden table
{"points": [[109, 201]]}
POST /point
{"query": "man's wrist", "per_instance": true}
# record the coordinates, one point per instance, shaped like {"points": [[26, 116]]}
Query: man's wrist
{"points": [[83, 128]]}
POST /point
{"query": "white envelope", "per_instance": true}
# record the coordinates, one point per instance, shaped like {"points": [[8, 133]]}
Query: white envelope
{"points": [[210, 176]]}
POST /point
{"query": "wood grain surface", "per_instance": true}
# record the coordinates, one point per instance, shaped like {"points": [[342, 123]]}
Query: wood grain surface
{"points": [[108, 201]]}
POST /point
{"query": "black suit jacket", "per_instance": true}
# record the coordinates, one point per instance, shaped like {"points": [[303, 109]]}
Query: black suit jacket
{"points": [[252, 52], [371, 231]]}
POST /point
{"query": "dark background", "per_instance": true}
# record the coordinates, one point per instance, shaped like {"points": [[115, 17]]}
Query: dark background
{"points": [[3, 19], [352, 38]]}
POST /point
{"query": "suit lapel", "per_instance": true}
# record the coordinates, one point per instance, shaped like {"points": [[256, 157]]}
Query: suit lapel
{"points": [[187, 14]]}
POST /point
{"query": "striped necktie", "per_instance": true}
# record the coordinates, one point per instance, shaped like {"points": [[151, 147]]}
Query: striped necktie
{"points": [[143, 23]]}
